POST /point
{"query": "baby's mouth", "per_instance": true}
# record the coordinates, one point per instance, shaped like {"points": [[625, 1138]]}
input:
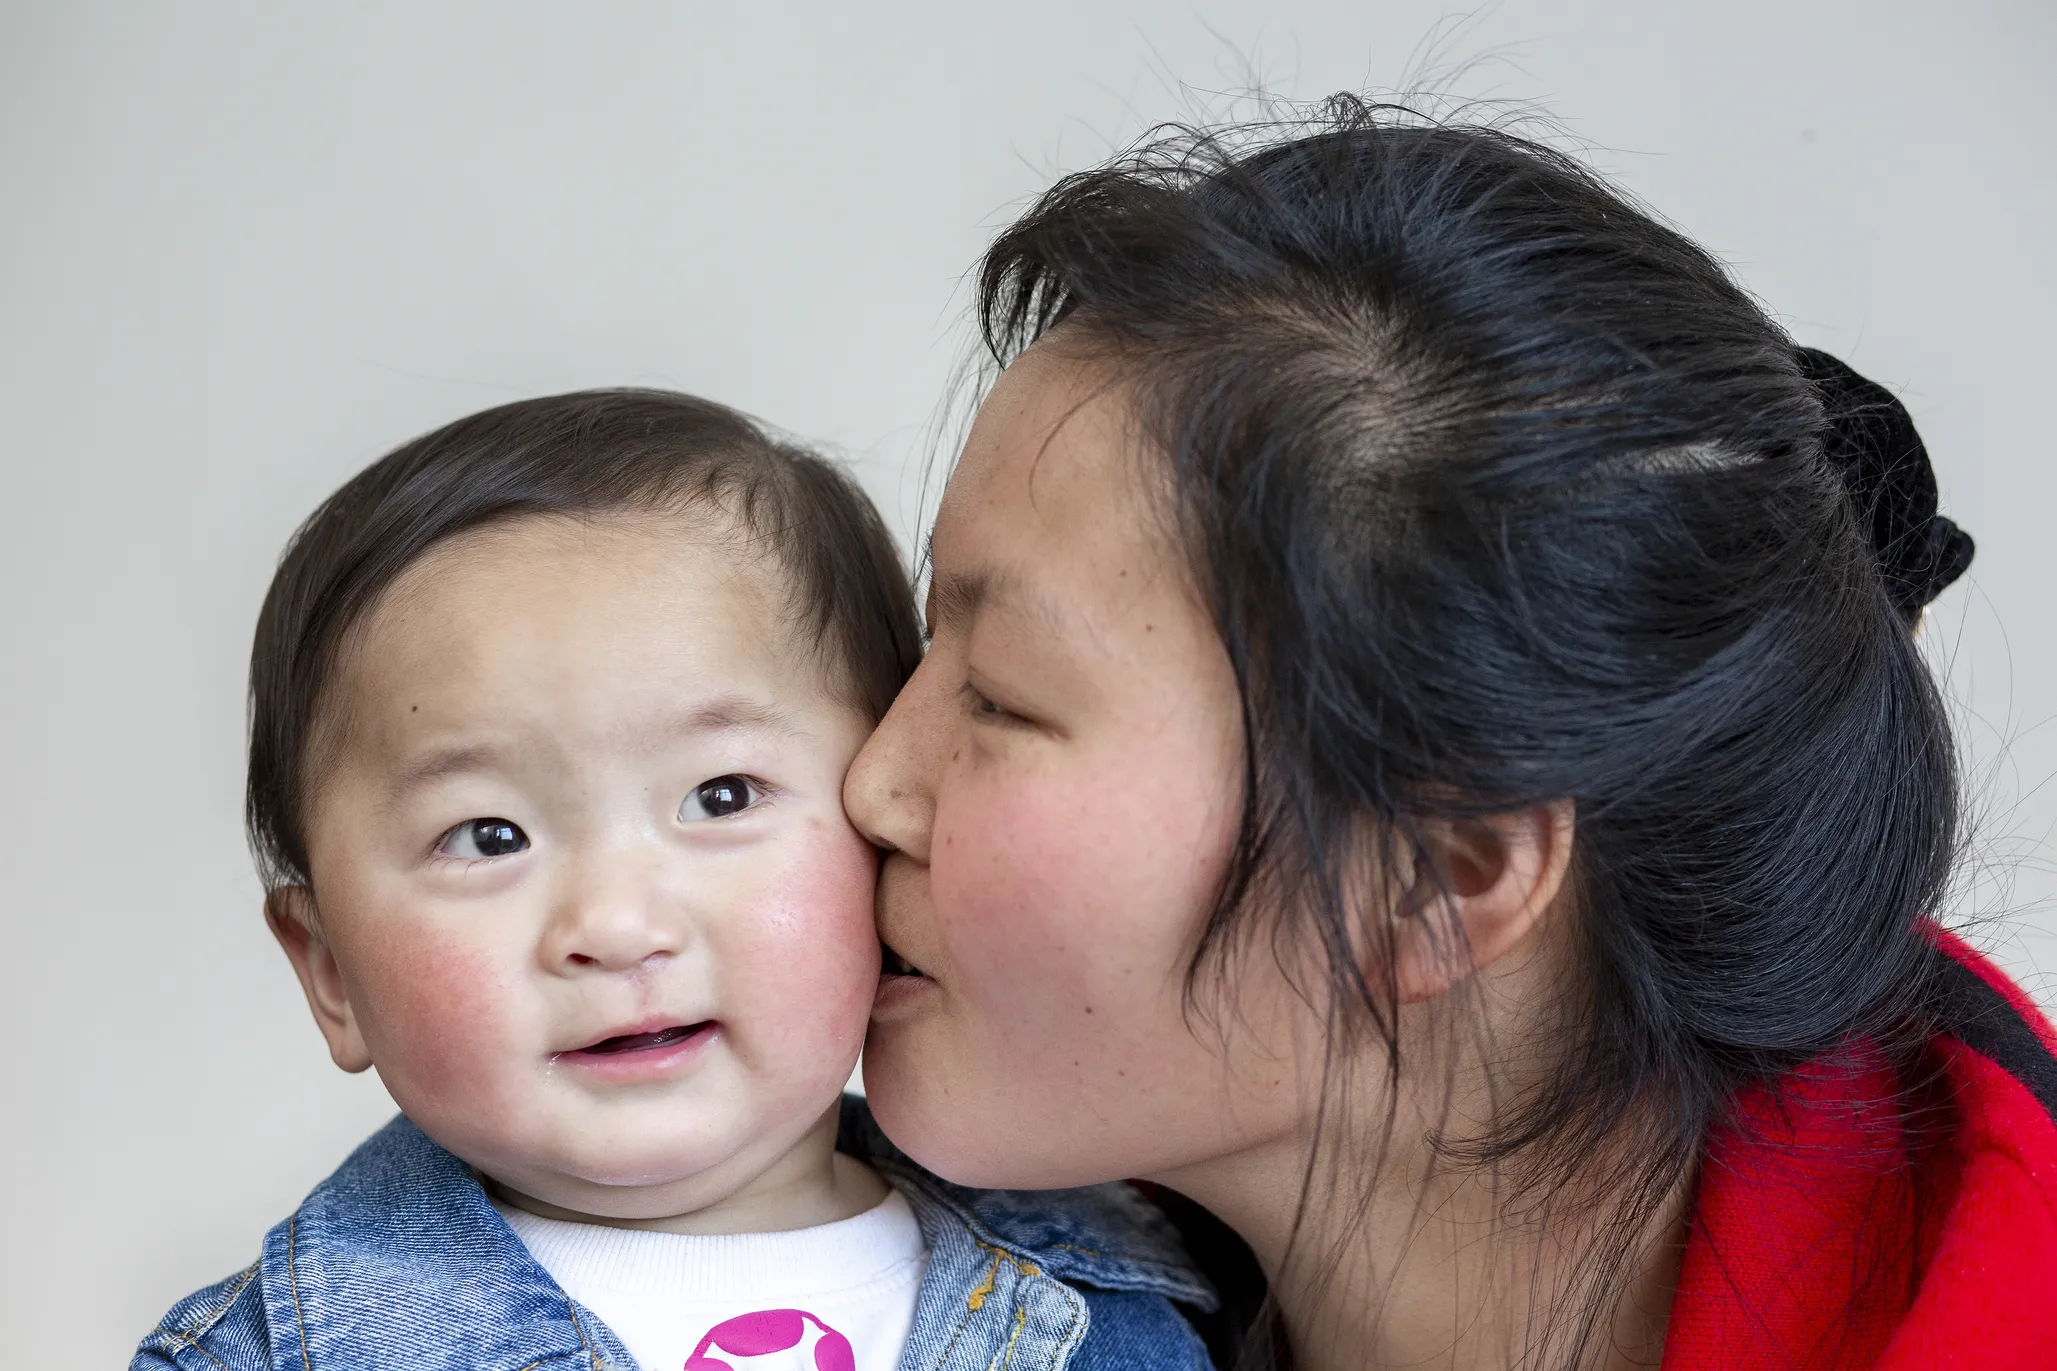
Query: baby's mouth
{"points": [[644, 1042]]}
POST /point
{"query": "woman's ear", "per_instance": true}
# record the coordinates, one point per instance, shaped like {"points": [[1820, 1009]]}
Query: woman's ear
{"points": [[290, 912], [1492, 881]]}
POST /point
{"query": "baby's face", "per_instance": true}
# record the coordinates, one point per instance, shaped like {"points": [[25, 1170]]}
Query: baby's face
{"points": [[579, 855]]}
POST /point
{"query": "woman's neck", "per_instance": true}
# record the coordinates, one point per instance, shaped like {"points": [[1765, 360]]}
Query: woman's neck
{"points": [[1436, 1266]]}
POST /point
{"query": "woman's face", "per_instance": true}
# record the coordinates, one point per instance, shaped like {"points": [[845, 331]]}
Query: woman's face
{"points": [[1058, 788]]}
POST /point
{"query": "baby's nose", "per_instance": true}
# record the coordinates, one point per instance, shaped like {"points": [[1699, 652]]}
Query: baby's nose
{"points": [[613, 924]]}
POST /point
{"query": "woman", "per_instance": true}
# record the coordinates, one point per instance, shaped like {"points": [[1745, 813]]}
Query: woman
{"points": [[1420, 755]]}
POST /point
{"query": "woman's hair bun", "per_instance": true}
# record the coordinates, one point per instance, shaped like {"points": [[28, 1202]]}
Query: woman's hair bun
{"points": [[1870, 439]]}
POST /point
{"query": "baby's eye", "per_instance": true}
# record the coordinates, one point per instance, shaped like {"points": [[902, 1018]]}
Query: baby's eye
{"points": [[719, 798], [477, 838]]}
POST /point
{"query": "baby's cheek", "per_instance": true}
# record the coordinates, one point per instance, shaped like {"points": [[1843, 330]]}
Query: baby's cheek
{"points": [[807, 961], [433, 1010]]}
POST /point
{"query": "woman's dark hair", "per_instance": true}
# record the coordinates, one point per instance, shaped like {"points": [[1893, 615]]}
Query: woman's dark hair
{"points": [[1502, 492], [589, 453], [1871, 441]]}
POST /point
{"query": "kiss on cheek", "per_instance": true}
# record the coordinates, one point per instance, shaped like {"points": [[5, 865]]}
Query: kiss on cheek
{"points": [[1058, 790]]}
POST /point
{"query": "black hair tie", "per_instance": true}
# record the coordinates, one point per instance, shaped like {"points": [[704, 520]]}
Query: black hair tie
{"points": [[1870, 440]]}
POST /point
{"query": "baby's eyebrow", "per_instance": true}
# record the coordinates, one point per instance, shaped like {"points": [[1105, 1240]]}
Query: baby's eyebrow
{"points": [[727, 713], [440, 762]]}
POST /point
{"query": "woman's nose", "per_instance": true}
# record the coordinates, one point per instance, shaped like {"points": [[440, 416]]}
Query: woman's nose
{"points": [[889, 791], [616, 919]]}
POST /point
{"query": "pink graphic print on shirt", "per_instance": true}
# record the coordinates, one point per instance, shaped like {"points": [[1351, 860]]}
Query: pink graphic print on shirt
{"points": [[769, 1331]]}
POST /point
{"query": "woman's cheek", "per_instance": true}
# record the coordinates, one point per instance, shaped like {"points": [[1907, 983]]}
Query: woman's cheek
{"points": [[1070, 895], [1031, 903]]}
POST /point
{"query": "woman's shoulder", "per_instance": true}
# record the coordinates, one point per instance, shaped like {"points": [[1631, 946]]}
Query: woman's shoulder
{"points": [[1863, 1216], [1994, 1019]]}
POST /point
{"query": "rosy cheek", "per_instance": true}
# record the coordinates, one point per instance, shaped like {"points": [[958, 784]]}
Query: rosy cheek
{"points": [[1064, 906], [434, 1008], [809, 961], [1025, 901]]}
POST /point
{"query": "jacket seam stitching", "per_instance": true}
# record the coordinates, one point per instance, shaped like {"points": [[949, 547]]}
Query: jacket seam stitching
{"points": [[1076, 1310], [1026, 1272], [293, 1284], [579, 1327], [1165, 1278], [1078, 1307], [963, 1319], [1007, 1352], [1172, 1274], [208, 1319], [189, 1342], [983, 1235]]}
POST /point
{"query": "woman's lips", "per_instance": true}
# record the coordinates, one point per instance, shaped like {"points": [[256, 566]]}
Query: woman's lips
{"points": [[903, 987], [642, 1052]]}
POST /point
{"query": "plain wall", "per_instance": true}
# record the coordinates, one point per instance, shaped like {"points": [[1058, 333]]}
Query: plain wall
{"points": [[246, 248]]}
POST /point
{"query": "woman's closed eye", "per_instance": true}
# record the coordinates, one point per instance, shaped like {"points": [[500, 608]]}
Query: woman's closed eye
{"points": [[985, 710], [481, 839], [719, 798]]}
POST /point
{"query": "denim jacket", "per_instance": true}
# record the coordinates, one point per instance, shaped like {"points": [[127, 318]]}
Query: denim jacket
{"points": [[398, 1260]]}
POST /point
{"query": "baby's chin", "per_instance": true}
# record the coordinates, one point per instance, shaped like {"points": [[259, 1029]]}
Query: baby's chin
{"points": [[629, 1185], [642, 1170]]}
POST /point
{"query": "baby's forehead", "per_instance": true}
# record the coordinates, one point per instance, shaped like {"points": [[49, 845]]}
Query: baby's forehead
{"points": [[594, 622], [703, 535], [626, 557]]}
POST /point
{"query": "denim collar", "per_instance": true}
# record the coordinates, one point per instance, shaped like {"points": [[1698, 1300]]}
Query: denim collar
{"points": [[400, 1256], [1105, 1236]]}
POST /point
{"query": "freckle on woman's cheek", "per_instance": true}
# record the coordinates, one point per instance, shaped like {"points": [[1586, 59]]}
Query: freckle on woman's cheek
{"points": [[1014, 916]]}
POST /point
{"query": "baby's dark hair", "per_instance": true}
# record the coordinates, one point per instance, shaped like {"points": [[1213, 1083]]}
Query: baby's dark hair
{"points": [[1503, 492], [588, 453]]}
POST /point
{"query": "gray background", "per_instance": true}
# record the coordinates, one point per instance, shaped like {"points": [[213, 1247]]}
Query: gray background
{"points": [[246, 248]]}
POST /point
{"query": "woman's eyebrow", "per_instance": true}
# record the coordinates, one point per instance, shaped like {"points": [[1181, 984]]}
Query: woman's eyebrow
{"points": [[956, 597]]}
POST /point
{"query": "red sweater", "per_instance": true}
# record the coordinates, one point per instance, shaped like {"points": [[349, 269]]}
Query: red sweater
{"points": [[1841, 1227]]}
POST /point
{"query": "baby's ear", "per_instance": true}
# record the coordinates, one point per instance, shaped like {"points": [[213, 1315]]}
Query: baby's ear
{"points": [[294, 921], [1494, 879]]}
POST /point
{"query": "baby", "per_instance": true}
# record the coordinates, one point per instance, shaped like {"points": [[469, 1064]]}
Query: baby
{"points": [[550, 711]]}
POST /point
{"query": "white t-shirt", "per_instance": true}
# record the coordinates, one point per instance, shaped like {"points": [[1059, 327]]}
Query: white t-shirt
{"points": [[748, 1301]]}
